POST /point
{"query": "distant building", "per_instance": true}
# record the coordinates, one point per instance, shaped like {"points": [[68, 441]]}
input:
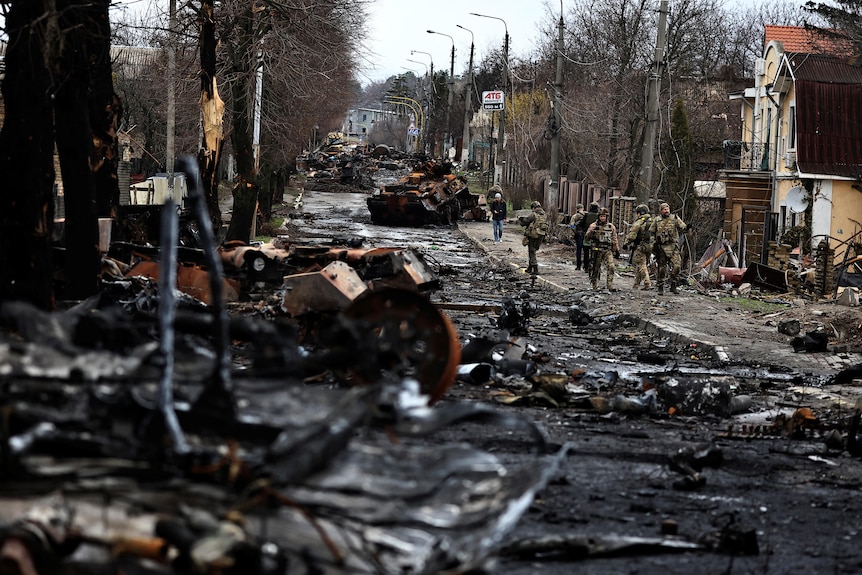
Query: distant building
{"points": [[359, 124]]}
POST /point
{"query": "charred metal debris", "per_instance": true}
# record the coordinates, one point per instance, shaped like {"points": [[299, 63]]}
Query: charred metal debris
{"points": [[786, 270], [130, 444], [337, 166], [430, 194]]}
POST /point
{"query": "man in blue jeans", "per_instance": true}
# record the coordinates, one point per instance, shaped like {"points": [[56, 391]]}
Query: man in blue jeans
{"points": [[498, 212]]}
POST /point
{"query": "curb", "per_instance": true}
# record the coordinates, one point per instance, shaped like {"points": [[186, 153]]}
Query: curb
{"points": [[539, 279], [679, 334]]}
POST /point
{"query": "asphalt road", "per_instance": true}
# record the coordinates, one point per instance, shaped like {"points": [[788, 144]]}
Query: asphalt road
{"points": [[779, 499]]}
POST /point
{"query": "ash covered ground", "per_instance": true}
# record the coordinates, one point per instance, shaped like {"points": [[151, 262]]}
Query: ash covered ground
{"points": [[759, 474], [585, 432]]}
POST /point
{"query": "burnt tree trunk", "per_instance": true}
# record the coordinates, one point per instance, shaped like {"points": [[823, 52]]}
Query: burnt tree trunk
{"points": [[106, 111], [71, 52], [264, 196], [212, 114], [242, 56], [26, 162]]}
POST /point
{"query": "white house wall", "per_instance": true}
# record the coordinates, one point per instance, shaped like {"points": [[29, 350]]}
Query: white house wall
{"points": [[821, 212]]}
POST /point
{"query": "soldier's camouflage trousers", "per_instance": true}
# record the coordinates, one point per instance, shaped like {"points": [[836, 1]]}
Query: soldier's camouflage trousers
{"points": [[674, 261], [602, 259], [640, 260]]}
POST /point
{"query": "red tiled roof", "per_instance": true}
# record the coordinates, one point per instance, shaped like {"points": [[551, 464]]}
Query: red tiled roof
{"points": [[800, 39]]}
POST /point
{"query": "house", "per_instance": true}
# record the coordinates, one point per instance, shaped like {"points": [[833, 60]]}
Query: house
{"points": [[799, 162], [359, 123]]}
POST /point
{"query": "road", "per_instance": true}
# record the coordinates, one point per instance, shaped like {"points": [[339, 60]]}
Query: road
{"points": [[778, 499]]}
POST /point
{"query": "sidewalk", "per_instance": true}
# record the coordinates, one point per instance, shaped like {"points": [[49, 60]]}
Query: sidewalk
{"points": [[730, 332]]}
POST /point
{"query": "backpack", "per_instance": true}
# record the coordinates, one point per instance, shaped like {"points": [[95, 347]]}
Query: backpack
{"points": [[542, 226]]}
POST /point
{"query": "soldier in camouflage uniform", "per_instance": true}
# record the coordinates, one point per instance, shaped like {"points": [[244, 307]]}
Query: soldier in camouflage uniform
{"points": [[638, 239], [664, 233], [535, 230], [605, 247]]}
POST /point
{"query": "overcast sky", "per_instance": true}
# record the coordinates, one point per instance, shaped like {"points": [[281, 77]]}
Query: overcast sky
{"points": [[398, 26], [395, 27]]}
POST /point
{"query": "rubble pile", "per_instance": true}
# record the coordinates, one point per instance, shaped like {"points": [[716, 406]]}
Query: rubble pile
{"points": [[431, 194]]}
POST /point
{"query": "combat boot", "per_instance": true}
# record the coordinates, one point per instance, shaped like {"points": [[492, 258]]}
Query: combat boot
{"points": [[673, 288], [660, 289]]}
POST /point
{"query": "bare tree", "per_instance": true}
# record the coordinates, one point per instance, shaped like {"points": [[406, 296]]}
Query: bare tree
{"points": [[301, 51], [57, 90], [26, 164], [843, 18], [610, 43], [285, 67]]}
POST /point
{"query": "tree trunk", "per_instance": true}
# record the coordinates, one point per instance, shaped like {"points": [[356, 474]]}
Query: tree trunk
{"points": [[78, 45], [106, 111], [212, 113], [264, 197], [245, 190], [26, 162]]}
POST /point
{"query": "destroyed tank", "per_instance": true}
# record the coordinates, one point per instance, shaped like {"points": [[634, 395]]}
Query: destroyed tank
{"points": [[430, 194]]}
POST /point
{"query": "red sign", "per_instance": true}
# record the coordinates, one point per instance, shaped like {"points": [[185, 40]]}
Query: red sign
{"points": [[493, 100]]}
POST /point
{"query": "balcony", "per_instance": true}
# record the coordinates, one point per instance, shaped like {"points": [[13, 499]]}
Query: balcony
{"points": [[748, 156]]}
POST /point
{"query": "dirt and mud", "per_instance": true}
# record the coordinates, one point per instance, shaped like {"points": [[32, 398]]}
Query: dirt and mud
{"points": [[758, 477]]}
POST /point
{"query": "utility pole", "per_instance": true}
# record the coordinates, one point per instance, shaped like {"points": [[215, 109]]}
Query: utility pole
{"points": [[498, 167], [449, 140], [172, 72], [644, 190], [554, 188], [468, 105]]}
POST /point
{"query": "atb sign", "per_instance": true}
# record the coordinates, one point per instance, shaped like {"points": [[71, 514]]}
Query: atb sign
{"points": [[493, 100]]}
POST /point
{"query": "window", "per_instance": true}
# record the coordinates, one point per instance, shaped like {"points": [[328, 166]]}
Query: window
{"points": [[791, 128]]}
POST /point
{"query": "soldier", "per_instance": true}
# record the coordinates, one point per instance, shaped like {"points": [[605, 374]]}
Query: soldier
{"points": [[589, 218], [638, 239], [664, 233], [605, 247], [579, 233], [535, 230]]}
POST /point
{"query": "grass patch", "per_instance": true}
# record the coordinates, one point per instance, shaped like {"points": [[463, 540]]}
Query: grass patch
{"points": [[751, 304], [268, 230]]}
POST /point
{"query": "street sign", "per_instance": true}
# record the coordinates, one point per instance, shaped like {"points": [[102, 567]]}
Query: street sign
{"points": [[412, 131], [493, 100]]}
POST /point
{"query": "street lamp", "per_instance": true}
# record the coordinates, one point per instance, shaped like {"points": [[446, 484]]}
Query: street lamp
{"points": [[449, 136], [419, 62], [429, 57], [498, 169], [468, 103]]}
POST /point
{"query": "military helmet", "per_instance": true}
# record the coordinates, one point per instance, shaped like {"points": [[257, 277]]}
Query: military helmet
{"points": [[642, 209], [535, 204], [604, 212]]}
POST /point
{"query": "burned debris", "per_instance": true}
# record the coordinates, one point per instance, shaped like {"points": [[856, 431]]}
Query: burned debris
{"points": [[354, 442], [430, 194], [158, 453]]}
